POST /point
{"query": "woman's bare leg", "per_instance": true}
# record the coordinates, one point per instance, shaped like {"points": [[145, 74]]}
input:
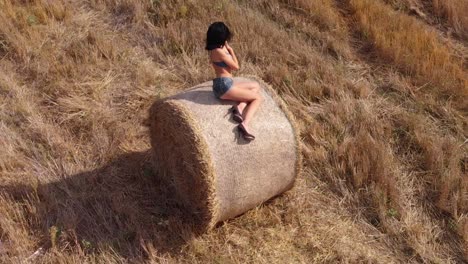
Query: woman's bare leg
{"points": [[251, 109], [253, 86], [241, 106], [251, 98]]}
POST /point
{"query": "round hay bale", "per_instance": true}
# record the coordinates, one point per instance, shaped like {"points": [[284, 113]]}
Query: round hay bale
{"points": [[216, 173]]}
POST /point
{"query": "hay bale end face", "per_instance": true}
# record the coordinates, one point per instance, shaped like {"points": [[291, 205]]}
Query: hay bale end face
{"points": [[216, 173]]}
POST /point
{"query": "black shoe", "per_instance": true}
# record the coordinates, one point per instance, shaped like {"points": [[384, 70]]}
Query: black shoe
{"points": [[236, 116], [246, 135]]}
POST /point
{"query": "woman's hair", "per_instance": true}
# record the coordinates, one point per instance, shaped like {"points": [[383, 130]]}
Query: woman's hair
{"points": [[218, 33]]}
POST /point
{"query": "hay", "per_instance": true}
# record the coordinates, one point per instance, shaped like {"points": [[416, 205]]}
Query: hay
{"points": [[215, 172]]}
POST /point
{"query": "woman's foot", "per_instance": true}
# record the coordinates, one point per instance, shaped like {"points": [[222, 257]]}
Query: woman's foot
{"points": [[236, 114], [245, 134]]}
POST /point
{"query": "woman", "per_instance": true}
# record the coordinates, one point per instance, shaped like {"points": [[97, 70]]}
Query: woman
{"points": [[224, 61]]}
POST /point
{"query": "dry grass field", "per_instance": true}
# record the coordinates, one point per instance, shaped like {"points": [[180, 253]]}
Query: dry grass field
{"points": [[379, 88]]}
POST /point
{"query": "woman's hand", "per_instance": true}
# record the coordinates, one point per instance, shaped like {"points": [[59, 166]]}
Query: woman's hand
{"points": [[228, 48], [232, 61]]}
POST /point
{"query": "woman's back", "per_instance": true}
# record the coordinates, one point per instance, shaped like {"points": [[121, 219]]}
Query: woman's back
{"points": [[221, 68]]}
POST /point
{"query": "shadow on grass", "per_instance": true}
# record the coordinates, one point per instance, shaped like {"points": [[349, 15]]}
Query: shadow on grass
{"points": [[124, 205]]}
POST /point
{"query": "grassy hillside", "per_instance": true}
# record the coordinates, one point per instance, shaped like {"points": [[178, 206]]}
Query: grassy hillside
{"points": [[379, 88]]}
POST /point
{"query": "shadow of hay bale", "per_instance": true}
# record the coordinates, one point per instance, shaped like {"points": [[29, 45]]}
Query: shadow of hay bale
{"points": [[123, 205]]}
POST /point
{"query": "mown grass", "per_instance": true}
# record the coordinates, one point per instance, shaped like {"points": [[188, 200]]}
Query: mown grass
{"points": [[385, 158]]}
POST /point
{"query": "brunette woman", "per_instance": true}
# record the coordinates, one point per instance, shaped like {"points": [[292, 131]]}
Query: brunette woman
{"points": [[224, 62]]}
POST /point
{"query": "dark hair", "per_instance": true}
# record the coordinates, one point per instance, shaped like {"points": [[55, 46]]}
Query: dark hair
{"points": [[218, 33]]}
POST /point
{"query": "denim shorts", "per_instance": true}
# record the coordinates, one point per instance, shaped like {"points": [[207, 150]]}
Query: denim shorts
{"points": [[221, 85]]}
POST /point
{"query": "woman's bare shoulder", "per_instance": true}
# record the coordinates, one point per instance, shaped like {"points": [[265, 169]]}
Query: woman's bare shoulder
{"points": [[217, 53]]}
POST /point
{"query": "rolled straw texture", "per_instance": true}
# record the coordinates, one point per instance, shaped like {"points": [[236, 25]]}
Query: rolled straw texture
{"points": [[215, 172]]}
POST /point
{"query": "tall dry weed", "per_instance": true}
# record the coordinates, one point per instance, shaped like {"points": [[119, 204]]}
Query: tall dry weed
{"points": [[439, 159], [322, 12], [413, 48], [17, 34], [455, 11]]}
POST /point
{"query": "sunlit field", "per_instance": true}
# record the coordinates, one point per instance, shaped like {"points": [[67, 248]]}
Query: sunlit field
{"points": [[379, 89]]}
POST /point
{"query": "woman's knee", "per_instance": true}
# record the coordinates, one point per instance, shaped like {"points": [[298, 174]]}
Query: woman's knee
{"points": [[255, 96], [253, 86], [259, 97], [256, 87]]}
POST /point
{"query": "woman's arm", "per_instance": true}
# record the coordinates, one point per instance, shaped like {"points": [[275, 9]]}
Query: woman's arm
{"points": [[231, 61], [234, 58]]}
